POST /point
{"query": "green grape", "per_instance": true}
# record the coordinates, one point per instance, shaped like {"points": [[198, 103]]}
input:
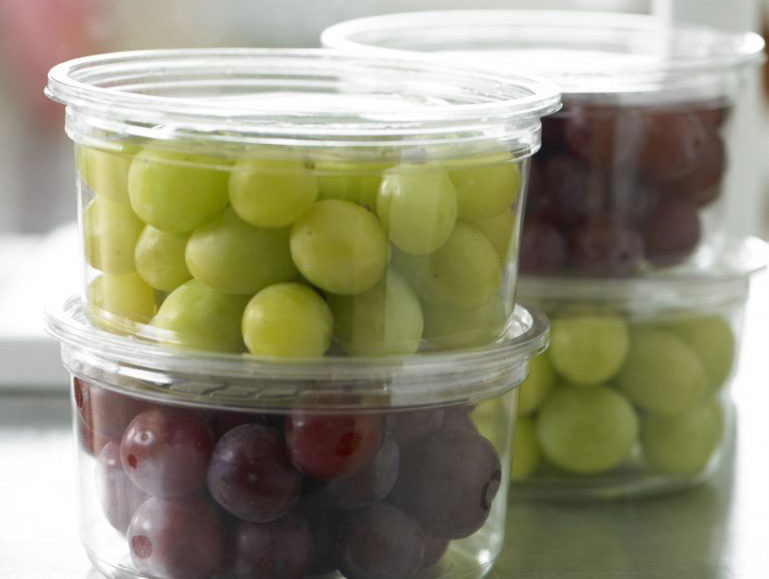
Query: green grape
{"points": [[499, 231], [418, 207], [229, 255], [662, 374], [526, 452], [339, 247], [385, 320], [538, 384], [110, 231], [588, 349], [160, 258], [487, 187], [287, 320], [683, 444], [177, 192], [452, 328], [270, 192], [202, 318], [712, 339], [464, 273], [349, 181], [106, 171], [586, 430], [125, 295]]}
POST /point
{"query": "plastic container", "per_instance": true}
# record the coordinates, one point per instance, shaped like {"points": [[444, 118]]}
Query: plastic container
{"points": [[633, 396], [634, 169], [194, 465], [390, 186]]}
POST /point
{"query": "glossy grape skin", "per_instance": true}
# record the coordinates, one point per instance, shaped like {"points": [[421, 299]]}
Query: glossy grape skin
{"points": [[385, 320], [499, 231], [662, 374], [118, 496], [356, 182], [380, 542], [588, 350], [111, 231], [543, 248], [672, 233], [464, 273], [448, 484], [340, 247], [526, 452], [202, 318], [177, 192], [287, 320], [538, 384], [271, 192], [125, 296], [276, 550], [451, 328], [586, 430], [106, 171], [486, 186], [165, 451], [603, 247], [229, 255], [411, 427], [105, 412], [176, 539], [250, 475], [159, 258], [327, 446]]}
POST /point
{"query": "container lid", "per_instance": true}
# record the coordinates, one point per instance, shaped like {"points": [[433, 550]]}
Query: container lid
{"points": [[244, 380], [297, 97], [583, 52]]}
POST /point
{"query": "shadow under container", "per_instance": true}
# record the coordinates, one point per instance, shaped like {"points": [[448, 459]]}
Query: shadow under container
{"points": [[390, 187], [633, 396], [637, 167], [194, 465]]}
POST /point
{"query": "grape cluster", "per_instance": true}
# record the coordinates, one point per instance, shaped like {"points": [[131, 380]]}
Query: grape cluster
{"points": [[280, 253], [617, 187], [247, 495], [608, 386]]}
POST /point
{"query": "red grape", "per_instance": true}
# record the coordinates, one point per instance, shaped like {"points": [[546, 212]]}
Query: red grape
{"points": [[324, 523], [434, 550], [543, 249], [601, 246], [118, 496], [414, 426], [604, 135], [673, 232], [701, 183], [673, 145], [104, 412], [275, 550]]}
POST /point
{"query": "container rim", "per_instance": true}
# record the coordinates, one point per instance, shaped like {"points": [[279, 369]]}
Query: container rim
{"points": [[667, 50], [302, 96]]}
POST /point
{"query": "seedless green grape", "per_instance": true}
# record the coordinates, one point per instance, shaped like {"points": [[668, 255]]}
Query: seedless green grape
{"points": [[349, 181], [486, 186], [106, 171], [586, 430], [229, 255], [417, 206], [538, 384], [464, 273], [111, 231], [385, 320], [125, 296], [271, 192], [177, 192], [202, 318], [526, 452], [451, 328], [499, 231], [683, 444], [339, 247], [588, 349], [287, 320], [160, 258], [662, 374]]}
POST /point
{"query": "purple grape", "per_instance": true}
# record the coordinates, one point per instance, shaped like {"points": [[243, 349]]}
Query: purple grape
{"points": [[413, 426], [701, 184], [118, 496], [458, 418], [631, 201], [543, 249], [672, 146], [165, 451], [222, 421], [603, 247], [275, 550], [572, 191], [449, 483], [604, 135], [380, 542], [103, 412], [324, 523], [672, 233], [176, 539], [434, 550], [250, 475]]}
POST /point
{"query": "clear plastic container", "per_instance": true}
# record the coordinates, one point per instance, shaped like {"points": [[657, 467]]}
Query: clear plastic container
{"points": [[194, 465], [633, 395], [363, 206], [635, 168]]}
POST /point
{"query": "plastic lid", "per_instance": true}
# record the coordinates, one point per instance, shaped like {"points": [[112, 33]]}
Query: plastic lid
{"points": [[583, 52], [243, 380], [297, 97]]}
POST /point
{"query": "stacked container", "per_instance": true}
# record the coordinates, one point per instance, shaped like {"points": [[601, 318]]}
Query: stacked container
{"points": [[296, 349], [624, 244]]}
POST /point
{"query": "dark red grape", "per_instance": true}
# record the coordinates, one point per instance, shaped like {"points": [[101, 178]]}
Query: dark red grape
{"points": [[414, 426], [324, 523], [672, 233], [715, 116], [701, 184], [631, 200], [449, 483], [370, 483], [176, 539], [250, 475], [118, 496], [434, 550], [458, 418], [222, 421], [332, 445], [380, 542], [672, 146], [543, 249], [553, 133], [275, 550], [165, 451], [571, 190], [104, 412], [604, 135], [601, 246]]}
